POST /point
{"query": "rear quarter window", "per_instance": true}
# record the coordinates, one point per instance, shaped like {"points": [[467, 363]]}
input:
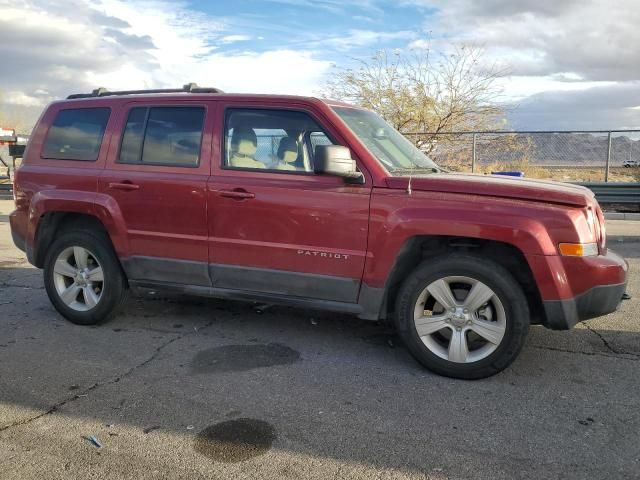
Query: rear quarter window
{"points": [[76, 134]]}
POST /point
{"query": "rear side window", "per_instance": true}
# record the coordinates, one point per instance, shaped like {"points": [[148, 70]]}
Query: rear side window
{"points": [[168, 136], [76, 134]]}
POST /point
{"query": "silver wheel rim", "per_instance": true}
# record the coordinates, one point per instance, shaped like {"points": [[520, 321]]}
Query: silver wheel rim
{"points": [[460, 319], [78, 278]]}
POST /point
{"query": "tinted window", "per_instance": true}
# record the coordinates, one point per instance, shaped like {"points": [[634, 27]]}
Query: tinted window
{"points": [[163, 136], [131, 147], [270, 140], [76, 134]]}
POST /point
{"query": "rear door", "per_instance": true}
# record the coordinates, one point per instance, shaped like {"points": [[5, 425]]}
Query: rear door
{"points": [[275, 226], [158, 176]]}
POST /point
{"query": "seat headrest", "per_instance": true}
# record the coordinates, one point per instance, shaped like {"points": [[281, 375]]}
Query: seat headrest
{"points": [[288, 150], [244, 141]]}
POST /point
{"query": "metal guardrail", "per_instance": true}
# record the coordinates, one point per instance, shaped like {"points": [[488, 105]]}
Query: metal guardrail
{"points": [[6, 191], [615, 193]]}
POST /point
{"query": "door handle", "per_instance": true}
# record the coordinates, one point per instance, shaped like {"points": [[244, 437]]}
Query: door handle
{"points": [[125, 185], [238, 194]]}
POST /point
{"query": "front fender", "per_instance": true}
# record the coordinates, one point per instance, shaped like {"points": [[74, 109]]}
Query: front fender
{"points": [[397, 217]]}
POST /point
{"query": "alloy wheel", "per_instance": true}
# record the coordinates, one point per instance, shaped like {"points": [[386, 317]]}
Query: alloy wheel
{"points": [[78, 278], [460, 319]]}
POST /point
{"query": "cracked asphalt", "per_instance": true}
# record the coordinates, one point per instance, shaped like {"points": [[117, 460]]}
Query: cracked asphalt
{"points": [[193, 388]]}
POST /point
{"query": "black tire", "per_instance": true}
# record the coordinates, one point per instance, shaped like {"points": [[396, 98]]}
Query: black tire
{"points": [[493, 275], [115, 288]]}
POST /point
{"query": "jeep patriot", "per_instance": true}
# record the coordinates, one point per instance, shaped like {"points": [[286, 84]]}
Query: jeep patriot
{"points": [[304, 202]]}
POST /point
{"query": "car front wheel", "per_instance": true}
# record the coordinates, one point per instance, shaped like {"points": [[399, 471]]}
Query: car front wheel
{"points": [[462, 316]]}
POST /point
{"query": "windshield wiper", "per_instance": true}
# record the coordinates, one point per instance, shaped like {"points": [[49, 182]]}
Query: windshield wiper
{"points": [[417, 170]]}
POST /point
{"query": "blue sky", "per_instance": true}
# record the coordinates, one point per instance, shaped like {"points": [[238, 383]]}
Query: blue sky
{"points": [[573, 64], [333, 28]]}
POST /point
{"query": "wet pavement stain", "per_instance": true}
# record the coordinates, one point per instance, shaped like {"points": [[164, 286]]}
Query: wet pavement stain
{"points": [[240, 358], [235, 440]]}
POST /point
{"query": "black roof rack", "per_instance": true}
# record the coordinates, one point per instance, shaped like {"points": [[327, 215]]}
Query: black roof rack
{"points": [[188, 88]]}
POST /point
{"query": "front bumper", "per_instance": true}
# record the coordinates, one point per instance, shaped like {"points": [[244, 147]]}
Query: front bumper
{"points": [[598, 301], [606, 279]]}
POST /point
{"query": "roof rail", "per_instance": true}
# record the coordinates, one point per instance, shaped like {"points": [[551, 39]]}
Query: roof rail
{"points": [[188, 88]]}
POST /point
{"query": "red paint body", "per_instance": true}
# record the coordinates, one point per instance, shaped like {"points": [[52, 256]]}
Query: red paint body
{"points": [[186, 214]]}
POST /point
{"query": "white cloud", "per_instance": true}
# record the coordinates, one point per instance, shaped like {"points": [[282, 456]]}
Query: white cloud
{"points": [[337, 7], [49, 51], [556, 49], [235, 38], [362, 38], [562, 55], [594, 39], [279, 71], [420, 44], [600, 107], [18, 98], [517, 88]]}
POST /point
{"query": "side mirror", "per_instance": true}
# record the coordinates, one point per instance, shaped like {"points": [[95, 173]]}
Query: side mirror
{"points": [[335, 160]]}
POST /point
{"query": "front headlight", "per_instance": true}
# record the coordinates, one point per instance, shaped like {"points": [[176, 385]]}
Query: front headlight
{"points": [[602, 231], [591, 221]]}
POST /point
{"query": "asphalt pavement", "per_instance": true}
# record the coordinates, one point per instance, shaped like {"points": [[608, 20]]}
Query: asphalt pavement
{"points": [[194, 388]]}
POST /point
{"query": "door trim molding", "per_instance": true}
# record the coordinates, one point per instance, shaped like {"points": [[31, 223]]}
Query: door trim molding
{"points": [[322, 292], [240, 278], [287, 283], [159, 269]]}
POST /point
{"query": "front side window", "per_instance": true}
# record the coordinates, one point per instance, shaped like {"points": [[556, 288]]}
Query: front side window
{"points": [[76, 134], [390, 147], [276, 140], [167, 136]]}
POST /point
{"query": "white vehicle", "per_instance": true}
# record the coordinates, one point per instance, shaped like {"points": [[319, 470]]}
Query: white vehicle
{"points": [[631, 163]]}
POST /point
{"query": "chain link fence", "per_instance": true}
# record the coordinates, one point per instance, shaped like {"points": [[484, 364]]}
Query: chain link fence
{"points": [[573, 156], [581, 156]]}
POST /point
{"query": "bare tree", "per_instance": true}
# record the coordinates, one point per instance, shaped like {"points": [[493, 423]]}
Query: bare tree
{"points": [[420, 91]]}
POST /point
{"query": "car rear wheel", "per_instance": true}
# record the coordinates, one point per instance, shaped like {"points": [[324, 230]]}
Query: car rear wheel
{"points": [[462, 316], [83, 278]]}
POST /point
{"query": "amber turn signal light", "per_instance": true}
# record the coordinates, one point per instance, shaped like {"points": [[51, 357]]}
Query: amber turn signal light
{"points": [[578, 249]]}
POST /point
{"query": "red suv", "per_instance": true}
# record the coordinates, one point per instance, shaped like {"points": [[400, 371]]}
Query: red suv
{"points": [[305, 202]]}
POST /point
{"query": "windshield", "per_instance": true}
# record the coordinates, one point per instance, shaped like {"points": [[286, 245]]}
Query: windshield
{"points": [[397, 154]]}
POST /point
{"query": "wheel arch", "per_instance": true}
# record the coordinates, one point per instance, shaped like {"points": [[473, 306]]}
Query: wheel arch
{"points": [[52, 212], [420, 248], [52, 224]]}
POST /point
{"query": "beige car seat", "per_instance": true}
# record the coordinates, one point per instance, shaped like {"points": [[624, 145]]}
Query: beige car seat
{"points": [[244, 144], [287, 154]]}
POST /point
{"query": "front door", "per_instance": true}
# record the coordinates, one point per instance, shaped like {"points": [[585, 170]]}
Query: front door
{"points": [[275, 227], [158, 179]]}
